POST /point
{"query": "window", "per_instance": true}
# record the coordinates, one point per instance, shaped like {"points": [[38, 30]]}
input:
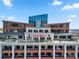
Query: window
{"points": [[57, 54], [28, 54], [36, 39], [17, 47], [69, 37], [7, 47], [28, 35], [41, 31], [20, 30], [42, 39], [59, 47], [22, 47], [42, 54], [55, 37], [62, 37], [46, 31], [48, 35], [49, 47], [35, 54], [29, 47], [78, 47], [36, 47], [15, 25], [48, 54], [19, 37], [10, 54], [15, 30], [60, 26], [29, 38], [52, 31], [78, 54], [22, 54], [16, 54], [42, 47], [52, 26], [70, 54], [49, 38], [6, 55], [24, 30], [29, 30], [70, 47], [36, 31]]}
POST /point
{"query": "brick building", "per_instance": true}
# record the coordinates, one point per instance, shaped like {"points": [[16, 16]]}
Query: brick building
{"points": [[58, 27], [9, 26]]}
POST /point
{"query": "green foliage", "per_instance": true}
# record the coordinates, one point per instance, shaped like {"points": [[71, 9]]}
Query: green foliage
{"points": [[3, 38]]}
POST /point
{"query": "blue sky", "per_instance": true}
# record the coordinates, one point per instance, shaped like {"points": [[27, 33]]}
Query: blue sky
{"points": [[58, 10]]}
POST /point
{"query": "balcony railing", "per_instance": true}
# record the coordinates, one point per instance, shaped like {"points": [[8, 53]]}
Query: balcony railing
{"points": [[65, 39], [6, 56]]}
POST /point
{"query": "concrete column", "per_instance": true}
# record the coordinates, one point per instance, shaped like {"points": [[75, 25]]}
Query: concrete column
{"points": [[45, 46], [53, 51], [45, 38], [32, 39], [58, 37], [25, 36], [65, 51], [0, 52], [12, 51], [24, 51], [39, 39], [66, 37], [39, 51], [76, 52], [51, 38]]}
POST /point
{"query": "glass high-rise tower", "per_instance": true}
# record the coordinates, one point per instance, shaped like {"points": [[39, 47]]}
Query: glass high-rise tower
{"points": [[38, 20]]}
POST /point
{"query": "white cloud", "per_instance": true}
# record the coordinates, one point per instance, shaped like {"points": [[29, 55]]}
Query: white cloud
{"points": [[7, 3], [71, 18], [72, 6], [8, 18], [56, 2]]}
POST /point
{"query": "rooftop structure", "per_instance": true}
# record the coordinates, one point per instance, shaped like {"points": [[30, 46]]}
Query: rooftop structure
{"points": [[38, 20]]}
